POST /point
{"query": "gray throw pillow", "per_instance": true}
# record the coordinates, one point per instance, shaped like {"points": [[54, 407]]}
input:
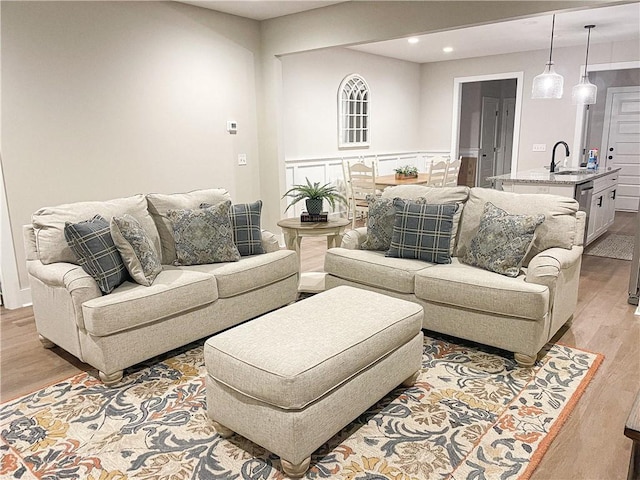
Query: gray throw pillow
{"points": [[422, 231], [92, 244], [245, 223], [203, 235], [502, 241], [136, 249], [379, 223]]}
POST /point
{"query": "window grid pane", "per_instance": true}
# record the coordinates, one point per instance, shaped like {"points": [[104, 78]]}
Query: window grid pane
{"points": [[354, 112]]}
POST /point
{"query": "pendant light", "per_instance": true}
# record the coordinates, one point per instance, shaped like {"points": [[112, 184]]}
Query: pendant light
{"points": [[548, 84], [585, 92]]}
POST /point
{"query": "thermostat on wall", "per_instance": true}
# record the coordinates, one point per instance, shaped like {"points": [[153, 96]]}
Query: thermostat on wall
{"points": [[232, 126]]}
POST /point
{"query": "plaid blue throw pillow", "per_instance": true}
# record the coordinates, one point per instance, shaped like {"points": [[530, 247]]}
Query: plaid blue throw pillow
{"points": [[92, 243], [422, 231], [245, 223]]}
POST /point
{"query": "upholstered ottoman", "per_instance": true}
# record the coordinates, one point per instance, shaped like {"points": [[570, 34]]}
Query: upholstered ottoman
{"points": [[293, 378]]}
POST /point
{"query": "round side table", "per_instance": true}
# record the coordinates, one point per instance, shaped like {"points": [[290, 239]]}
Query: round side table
{"points": [[294, 230]]}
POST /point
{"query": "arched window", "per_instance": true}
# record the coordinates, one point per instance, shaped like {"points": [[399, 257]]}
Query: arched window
{"points": [[353, 112]]}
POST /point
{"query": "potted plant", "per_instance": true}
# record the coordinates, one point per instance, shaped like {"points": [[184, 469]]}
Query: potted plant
{"points": [[406, 171], [314, 194]]}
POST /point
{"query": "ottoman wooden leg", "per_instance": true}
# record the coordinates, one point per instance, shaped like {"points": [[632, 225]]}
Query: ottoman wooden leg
{"points": [[411, 381], [223, 431], [297, 470]]}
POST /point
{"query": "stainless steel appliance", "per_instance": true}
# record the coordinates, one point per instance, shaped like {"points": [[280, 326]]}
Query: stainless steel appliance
{"points": [[583, 194]]}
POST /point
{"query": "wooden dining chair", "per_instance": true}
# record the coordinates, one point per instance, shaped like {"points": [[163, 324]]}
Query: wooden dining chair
{"points": [[362, 182], [437, 172], [453, 169]]}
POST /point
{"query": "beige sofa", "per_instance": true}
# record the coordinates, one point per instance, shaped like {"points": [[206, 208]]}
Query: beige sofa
{"points": [[519, 314], [135, 322]]}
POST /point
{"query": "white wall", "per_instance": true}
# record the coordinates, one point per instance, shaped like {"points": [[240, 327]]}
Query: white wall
{"points": [[542, 121], [109, 99], [351, 23], [310, 106]]}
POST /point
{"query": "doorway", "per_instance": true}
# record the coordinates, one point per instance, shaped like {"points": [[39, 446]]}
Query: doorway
{"points": [[486, 127]]}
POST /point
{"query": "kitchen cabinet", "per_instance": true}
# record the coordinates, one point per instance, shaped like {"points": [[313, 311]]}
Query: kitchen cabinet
{"points": [[602, 212]]}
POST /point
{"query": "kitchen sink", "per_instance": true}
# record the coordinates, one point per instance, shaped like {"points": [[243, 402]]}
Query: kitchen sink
{"points": [[571, 172]]}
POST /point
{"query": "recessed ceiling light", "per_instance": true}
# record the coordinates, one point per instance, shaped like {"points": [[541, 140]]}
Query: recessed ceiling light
{"points": [[447, 49], [413, 40]]}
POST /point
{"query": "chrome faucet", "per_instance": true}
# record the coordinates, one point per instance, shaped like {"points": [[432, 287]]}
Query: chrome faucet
{"points": [[552, 167]]}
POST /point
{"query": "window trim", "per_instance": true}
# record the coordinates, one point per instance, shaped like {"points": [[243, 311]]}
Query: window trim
{"points": [[350, 84]]}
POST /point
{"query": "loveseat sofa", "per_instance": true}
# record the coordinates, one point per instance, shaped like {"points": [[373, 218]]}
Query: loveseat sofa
{"points": [[135, 322], [519, 314]]}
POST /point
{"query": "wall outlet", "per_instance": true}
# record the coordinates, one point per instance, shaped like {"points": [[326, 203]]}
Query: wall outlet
{"points": [[539, 147], [242, 159]]}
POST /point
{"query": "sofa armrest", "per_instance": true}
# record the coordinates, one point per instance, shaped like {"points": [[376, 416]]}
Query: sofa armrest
{"points": [[354, 238], [545, 267], [559, 270], [269, 242], [67, 275], [58, 291]]}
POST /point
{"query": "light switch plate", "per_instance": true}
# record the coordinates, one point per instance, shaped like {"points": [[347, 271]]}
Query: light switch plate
{"points": [[242, 159], [539, 147]]}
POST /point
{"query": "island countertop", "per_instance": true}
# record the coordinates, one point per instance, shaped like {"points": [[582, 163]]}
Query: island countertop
{"points": [[542, 175]]}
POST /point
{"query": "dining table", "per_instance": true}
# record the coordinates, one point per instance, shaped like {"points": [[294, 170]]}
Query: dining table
{"points": [[384, 181]]}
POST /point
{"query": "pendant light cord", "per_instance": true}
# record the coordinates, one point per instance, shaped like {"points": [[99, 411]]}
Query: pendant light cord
{"points": [[586, 58], [553, 24]]}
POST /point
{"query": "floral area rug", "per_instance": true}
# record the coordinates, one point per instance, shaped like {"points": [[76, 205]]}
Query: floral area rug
{"points": [[473, 414]]}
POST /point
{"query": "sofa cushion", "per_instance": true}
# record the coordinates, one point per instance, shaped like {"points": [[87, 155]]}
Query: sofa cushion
{"points": [[329, 338], [49, 222], [136, 249], [433, 195], [250, 272], [131, 305], [422, 231], [245, 224], [558, 229], [160, 203], [203, 235], [473, 288], [372, 268], [93, 245], [502, 241]]}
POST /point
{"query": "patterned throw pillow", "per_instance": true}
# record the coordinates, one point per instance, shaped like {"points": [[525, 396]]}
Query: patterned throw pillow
{"points": [[422, 231], [92, 243], [502, 240], [379, 223], [203, 235], [136, 249], [245, 222]]}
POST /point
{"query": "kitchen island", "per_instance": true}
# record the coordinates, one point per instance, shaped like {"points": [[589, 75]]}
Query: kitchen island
{"points": [[595, 191]]}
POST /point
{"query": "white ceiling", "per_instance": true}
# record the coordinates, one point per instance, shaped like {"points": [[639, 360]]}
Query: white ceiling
{"points": [[613, 23], [261, 9]]}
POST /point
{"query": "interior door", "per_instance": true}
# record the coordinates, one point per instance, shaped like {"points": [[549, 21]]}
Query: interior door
{"points": [[621, 144], [505, 147], [488, 140]]}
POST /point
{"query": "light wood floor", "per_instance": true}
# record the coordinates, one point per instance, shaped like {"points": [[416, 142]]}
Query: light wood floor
{"points": [[590, 446]]}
